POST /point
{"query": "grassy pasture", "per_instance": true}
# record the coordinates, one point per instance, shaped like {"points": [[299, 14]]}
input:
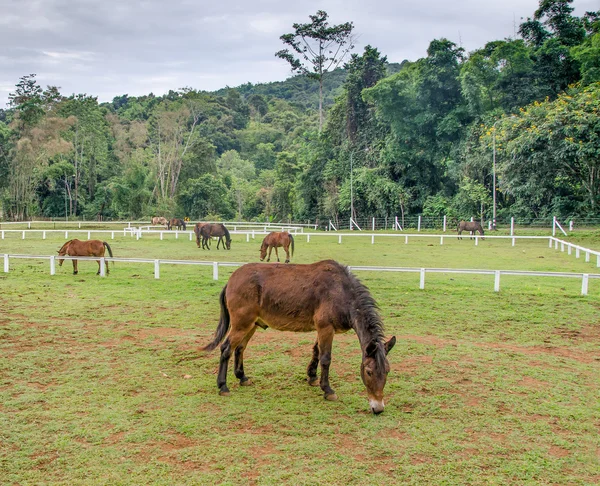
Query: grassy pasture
{"points": [[485, 388]]}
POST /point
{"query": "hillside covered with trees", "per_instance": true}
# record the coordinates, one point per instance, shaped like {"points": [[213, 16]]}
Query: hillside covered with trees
{"points": [[420, 137]]}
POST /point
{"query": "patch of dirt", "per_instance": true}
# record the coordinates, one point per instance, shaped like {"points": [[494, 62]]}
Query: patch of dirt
{"points": [[533, 383], [411, 365], [556, 451], [576, 355]]}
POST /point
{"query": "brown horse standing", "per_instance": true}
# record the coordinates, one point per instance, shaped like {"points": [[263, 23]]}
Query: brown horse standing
{"points": [[76, 247], [197, 230], [323, 297], [277, 239], [176, 222], [159, 220], [471, 226], [209, 230]]}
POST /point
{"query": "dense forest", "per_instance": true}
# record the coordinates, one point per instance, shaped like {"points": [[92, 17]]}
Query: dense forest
{"points": [[420, 138]]}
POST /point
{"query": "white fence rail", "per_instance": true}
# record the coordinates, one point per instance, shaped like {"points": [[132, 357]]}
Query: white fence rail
{"points": [[215, 267]]}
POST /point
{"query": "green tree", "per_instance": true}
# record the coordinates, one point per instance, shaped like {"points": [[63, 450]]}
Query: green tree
{"points": [[318, 47]]}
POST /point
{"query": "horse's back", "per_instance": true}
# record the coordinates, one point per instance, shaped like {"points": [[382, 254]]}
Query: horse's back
{"points": [[292, 297]]}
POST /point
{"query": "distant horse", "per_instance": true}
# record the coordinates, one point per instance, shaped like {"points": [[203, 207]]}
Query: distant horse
{"points": [[197, 229], [277, 239], [471, 226], [159, 220], [176, 222], [217, 230], [76, 247], [275, 296]]}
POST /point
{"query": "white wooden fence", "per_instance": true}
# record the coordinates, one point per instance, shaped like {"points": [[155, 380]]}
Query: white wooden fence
{"points": [[215, 268]]}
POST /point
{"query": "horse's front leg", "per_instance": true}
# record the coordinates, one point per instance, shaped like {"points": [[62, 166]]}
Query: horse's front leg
{"points": [[277, 254], [325, 340], [239, 359], [269, 257], [311, 371]]}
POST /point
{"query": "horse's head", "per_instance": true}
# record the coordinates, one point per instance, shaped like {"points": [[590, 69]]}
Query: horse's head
{"points": [[228, 243], [374, 370], [263, 251]]}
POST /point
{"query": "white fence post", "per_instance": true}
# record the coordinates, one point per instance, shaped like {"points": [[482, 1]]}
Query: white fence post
{"points": [[553, 225], [215, 271], [513, 241], [157, 268], [66, 235], [112, 235], [252, 234], [89, 235], [43, 235], [422, 279], [441, 240], [191, 236], [23, 234], [584, 284], [512, 226], [562, 246], [5, 263], [571, 225], [419, 224], [587, 256], [161, 236], [372, 239], [373, 224], [489, 226], [476, 239], [308, 238], [577, 252], [2, 234], [52, 265], [340, 239], [406, 239], [29, 225], [176, 234], [549, 242], [597, 260], [497, 281], [247, 237], [102, 267], [444, 223], [569, 249]]}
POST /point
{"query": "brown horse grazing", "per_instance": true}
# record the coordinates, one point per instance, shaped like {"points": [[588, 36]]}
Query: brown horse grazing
{"points": [[322, 296], [93, 248], [209, 230], [471, 226], [159, 220], [176, 222], [197, 229], [277, 239]]}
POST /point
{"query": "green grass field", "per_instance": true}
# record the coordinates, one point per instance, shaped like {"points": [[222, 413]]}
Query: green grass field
{"points": [[485, 388]]}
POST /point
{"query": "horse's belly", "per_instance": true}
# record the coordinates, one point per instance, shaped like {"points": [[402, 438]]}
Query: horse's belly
{"points": [[286, 323]]}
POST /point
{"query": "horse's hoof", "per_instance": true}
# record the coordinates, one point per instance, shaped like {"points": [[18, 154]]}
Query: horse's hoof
{"points": [[224, 393], [313, 382], [248, 382], [332, 397], [287, 261]]}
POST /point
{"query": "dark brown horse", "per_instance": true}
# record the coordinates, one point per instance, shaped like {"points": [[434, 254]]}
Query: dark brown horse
{"points": [[323, 297], [197, 230], [91, 248], [177, 223], [217, 230], [471, 226], [277, 239]]}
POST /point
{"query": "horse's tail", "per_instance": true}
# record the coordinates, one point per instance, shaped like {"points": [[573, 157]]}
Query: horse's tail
{"points": [[292, 242], [108, 248], [224, 323]]}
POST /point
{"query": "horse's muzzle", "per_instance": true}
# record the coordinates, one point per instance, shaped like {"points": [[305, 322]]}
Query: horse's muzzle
{"points": [[376, 406]]}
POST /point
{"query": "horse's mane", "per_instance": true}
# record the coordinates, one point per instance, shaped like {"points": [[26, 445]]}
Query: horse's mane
{"points": [[65, 246], [365, 316], [226, 231]]}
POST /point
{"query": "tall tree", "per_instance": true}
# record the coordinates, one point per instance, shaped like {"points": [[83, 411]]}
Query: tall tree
{"points": [[319, 49]]}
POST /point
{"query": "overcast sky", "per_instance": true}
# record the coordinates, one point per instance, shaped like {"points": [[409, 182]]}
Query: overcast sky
{"points": [[107, 48]]}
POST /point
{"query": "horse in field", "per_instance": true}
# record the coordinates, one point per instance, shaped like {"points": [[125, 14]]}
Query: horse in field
{"points": [[276, 239], [156, 220], [471, 226], [324, 297], [218, 230], [92, 248], [197, 229], [177, 223]]}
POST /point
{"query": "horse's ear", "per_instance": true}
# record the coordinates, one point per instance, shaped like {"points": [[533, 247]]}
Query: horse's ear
{"points": [[389, 345], [371, 349]]}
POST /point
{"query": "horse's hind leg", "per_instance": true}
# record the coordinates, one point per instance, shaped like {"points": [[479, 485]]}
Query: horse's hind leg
{"points": [[239, 359], [311, 371], [277, 254], [74, 267], [236, 337], [287, 253]]}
